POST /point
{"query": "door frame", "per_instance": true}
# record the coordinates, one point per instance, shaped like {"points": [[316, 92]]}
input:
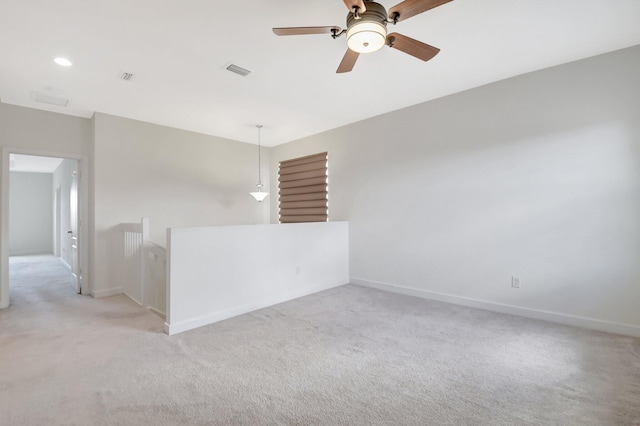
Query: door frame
{"points": [[57, 225], [83, 216]]}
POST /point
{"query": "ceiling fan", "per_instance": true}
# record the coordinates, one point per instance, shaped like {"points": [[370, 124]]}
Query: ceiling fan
{"points": [[367, 30]]}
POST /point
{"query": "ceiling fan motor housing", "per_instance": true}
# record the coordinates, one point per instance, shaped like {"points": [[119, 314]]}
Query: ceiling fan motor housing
{"points": [[369, 32]]}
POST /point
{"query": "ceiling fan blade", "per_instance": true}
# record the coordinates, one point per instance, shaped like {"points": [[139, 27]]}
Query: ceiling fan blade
{"points": [[305, 30], [409, 8], [355, 3], [348, 61], [413, 47]]}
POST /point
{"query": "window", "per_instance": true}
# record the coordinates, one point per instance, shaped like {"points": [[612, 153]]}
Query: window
{"points": [[303, 189]]}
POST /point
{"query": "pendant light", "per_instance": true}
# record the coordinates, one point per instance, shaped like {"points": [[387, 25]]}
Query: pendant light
{"points": [[259, 195]]}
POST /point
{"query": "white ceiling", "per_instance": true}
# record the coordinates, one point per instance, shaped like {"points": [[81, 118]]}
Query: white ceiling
{"points": [[178, 51], [32, 163]]}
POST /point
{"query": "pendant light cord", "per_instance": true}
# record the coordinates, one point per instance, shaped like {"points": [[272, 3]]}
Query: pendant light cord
{"points": [[259, 126]]}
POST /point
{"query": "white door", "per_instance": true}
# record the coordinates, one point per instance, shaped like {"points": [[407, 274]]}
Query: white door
{"points": [[73, 232]]}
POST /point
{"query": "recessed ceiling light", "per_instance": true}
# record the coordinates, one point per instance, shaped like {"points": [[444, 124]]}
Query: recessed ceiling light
{"points": [[62, 62]]}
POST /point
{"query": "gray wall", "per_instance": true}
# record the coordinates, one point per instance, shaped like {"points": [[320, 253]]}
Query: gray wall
{"points": [[174, 177], [30, 213], [537, 176]]}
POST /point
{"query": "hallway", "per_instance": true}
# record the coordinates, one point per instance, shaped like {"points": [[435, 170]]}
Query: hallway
{"points": [[38, 279]]}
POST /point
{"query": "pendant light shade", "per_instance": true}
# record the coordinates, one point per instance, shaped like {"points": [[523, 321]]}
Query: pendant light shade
{"points": [[259, 195]]}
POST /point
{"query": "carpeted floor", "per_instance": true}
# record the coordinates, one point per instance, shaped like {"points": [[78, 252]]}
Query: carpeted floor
{"points": [[347, 356]]}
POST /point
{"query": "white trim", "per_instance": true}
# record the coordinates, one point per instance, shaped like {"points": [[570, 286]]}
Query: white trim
{"points": [[108, 292], [134, 299], [157, 312], [4, 230], [560, 318], [65, 264], [214, 317], [30, 253]]}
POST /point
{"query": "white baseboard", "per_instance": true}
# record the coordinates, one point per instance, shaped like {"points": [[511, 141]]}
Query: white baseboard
{"points": [[133, 298], [560, 318], [157, 312], [65, 264], [213, 317], [107, 292], [18, 253]]}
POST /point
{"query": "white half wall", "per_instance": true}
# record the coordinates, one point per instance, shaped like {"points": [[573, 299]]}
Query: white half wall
{"points": [[30, 213], [174, 177], [537, 177], [216, 273]]}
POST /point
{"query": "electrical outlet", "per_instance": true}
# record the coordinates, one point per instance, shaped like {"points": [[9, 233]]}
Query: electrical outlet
{"points": [[515, 282]]}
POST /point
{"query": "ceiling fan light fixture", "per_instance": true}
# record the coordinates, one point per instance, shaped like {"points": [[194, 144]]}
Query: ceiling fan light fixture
{"points": [[366, 36], [367, 32]]}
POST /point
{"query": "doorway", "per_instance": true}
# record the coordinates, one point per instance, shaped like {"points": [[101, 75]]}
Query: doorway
{"points": [[65, 235]]}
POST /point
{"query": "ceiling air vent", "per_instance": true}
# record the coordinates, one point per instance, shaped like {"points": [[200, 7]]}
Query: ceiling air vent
{"points": [[238, 70], [126, 76], [48, 99]]}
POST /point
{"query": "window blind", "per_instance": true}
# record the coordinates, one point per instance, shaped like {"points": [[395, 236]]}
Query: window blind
{"points": [[303, 189]]}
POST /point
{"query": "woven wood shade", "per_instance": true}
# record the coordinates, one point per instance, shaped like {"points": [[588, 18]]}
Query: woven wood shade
{"points": [[303, 189]]}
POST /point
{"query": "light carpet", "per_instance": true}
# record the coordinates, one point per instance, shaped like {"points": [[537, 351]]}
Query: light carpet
{"points": [[346, 356]]}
